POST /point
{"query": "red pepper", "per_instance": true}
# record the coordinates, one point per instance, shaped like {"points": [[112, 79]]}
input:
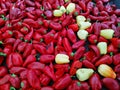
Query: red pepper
{"points": [[7, 34], [30, 3], [29, 35], [116, 30], [46, 23], [100, 5], [111, 49], [66, 21], [41, 49], [78, 44], [29, 60], [71, 35], [116, 59], [17, 70], [111, 84], [108, 9], [17, 42], [75, 65], [50, 48], [31, 16], [66, 45], [24, 84], [27, 50], [24, 30], [95, 11], [48, 71], [1, 59], [47, 58], [56, 4], [76, 85], [44, 80], [46, 5], [9, 61], [3, 71], [82, 5], [47, 88], [37, 36], [95, 82], [5, 86], [8, 49], [23, 74], [78, 54], [88, 64], [104, 13], [90, 55], [21, 46], [97, 28], [102, 39], [55, 26], [63, 82], [2, 21], [117, 68], [63, 32], [48, 14], [95, 49], [9, 41], [34, 82], [74, 27], [17, 24], [106, 59], [4, 79], [90, 5], [116, 42], [93, 39], [66, 67], [117, 11], [17, 59], [36, 65], [59, 73], [18, 34]]}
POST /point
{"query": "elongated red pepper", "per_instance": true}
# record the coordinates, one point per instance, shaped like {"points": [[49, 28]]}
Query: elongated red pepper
{"points": [[106, 59], [116, 59], [9, 61], [5, 86], [41, 49], [76, 85], [29, 35], [17, 59], [74, 27], [37, 36], [24, 30], [15, 81], [24, 84], [100, 5], [4, 79], [3, 71], [97, 28], [44, 80], [27, 50], [55, 26], [16, 44], [63, 82], [111, 49], [36, 65], [17, 70], [75, 65], [78, 54], [71, 35], [59, 73], [95, 11], [66, 45], [78, 44], [50, 48], [102, 39], [47, 58], [117, 68], [63, 32], [90, 55], [17, 25], [8, 49], [82, 5], [29, 59], [95, 82], [66, 21], [34, 82], [88, 64], [18, 34], [48, 71], [9, 41], [21, 46], [111, 84], [7, 34], [95, 49]]}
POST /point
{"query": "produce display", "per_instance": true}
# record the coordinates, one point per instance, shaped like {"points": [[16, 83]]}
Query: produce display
{"points": [[59, 45]]}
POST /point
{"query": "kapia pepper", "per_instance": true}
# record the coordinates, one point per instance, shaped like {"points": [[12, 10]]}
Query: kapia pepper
{"points": [[63, 82], [95, 82], [34, 82]]}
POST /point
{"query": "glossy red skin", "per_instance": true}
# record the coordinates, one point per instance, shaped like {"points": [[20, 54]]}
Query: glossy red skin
{"points": [[3, 71]]}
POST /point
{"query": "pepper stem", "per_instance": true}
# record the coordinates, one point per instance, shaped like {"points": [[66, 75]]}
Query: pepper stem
{"points": [[111, 54], [12, 88], [2, 54], [1, 42]]}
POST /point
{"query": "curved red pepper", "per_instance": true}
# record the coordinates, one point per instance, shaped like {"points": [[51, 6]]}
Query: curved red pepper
{"points": [[63, 82], [55, 26], [106, 59], [17, 70], [3, 71], [17, 42], [74, 27], [21, 46], [78, 44], [93, 39], [47, 58], [95, 49], [4, 79]]}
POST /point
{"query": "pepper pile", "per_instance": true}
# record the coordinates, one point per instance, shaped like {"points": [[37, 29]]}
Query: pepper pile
{"points": [[59, 45]]}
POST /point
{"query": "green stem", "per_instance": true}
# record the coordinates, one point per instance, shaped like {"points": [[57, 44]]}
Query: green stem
{"points": [[2, 54], [12, 88]]}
